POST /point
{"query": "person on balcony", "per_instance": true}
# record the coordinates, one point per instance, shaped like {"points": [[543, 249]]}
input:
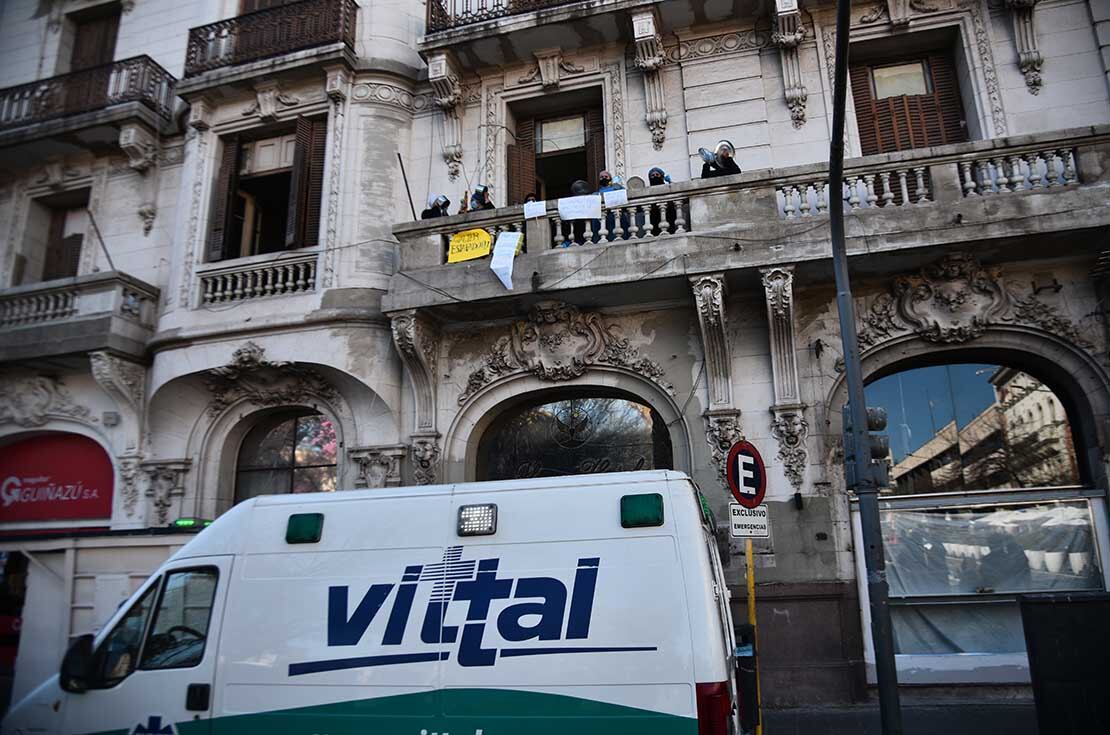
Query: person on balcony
{"points": [[659, 177], [437, 207], [479, 200], [606, 183], [721, 162], [574, 231]]}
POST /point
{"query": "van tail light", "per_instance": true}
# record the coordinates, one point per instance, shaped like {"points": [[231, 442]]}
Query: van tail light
{"points": [[714, 708]]}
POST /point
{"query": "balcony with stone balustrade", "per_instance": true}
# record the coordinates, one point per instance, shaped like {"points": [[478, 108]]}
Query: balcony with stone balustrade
{"points": [[1022, 197], [66, 318], [87, 110]]}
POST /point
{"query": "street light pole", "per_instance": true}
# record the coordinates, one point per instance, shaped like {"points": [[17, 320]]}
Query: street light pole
{"points": [[863, 482]]}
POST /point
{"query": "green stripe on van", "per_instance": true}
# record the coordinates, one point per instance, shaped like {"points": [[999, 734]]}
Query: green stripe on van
{"points": [[461, 712]]}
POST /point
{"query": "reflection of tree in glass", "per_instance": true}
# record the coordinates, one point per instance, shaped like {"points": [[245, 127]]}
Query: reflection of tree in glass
{"points": [[574, 436], [1015, 458], [316, 442]]}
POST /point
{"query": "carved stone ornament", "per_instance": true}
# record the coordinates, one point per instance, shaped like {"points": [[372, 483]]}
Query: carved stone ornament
{"points": [[425, 458], [378, 466], [55, 173], [722, 430], [897, 11], [549, 65], [33, 400], [1030, 58], [447, 91], [417, 340], [955, 300], [250, 376], [790, 430], [125, 381], [140, 145], [129, 476], [337, 83], [200, 113], [558, 342], [709, 296], [147, 213], [267, 97], [650, 59], [165, 488], [789, 34]]}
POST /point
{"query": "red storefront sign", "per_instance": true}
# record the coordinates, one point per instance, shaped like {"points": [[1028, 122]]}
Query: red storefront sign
{"points": [[55, 477]]}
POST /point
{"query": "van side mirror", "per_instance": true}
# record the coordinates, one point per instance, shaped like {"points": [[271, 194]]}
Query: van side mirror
{"points": [[77, 665]]}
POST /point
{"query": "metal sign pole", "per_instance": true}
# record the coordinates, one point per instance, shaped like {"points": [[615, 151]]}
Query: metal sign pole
{"points": [[864, 481], [750, 556]]}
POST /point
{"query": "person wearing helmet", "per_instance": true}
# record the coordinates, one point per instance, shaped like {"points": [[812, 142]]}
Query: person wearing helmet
{"points": [[480, 199], [437, 207], [721, 162], [658, 177], [607, 183], [662, 217]]}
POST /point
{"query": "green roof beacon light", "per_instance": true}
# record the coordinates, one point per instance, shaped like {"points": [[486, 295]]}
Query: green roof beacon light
{"points": [[191, 524]]}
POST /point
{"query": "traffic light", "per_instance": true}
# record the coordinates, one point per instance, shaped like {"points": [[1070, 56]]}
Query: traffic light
{"points": [[877, 449]]}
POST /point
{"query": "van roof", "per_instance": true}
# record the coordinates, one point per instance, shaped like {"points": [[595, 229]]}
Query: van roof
{"points": [[227, 533]]}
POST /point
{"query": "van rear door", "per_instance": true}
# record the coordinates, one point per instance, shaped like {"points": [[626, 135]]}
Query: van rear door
{"points": [[155, 666]]}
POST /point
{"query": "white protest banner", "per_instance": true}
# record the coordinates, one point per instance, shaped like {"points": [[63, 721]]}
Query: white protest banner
{"points": [[535, 210], [616, 198], [504, 252], [584, 207]]}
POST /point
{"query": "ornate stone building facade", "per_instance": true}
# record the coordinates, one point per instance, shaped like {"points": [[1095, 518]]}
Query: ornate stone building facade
{"points": [[209, 244]]}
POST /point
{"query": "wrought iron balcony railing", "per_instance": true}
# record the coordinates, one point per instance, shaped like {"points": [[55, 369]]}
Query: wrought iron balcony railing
{"points": [[270, 32], [138, 79], [447, 14]]}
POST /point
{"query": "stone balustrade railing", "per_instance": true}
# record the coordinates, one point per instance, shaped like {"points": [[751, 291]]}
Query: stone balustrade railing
{"points": [[1019, 169], [108, 293], [270, 32], [223, 283], [138, 79], [914, 183]]}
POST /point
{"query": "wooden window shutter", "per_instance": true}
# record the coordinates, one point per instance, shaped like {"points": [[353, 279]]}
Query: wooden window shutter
{"points": [[223, 193], [521, 161], [595, 145], [94, 40], [910, 121], [63, 254], [306, 188]]}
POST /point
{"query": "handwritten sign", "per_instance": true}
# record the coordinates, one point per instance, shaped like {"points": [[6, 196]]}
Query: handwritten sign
{"points": [[468, 245], [583, 207], [535, 210], [616, 198], [504, 253]]}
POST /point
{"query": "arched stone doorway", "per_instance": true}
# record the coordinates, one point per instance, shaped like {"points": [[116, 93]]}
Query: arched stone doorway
{"points": [[571, 433]]}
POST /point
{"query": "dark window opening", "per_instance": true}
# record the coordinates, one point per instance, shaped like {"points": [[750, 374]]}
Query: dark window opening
{"points": [[574, 436], [559, 139], [907, 95], [13, 593], [94, 36], [287, 453], [53, 238], [275, 208], [261, 213]]}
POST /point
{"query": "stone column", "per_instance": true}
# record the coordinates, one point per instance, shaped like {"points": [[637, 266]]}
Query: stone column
{"points": [[417, 340], [789, 34], [788, 426], [722, 419]]}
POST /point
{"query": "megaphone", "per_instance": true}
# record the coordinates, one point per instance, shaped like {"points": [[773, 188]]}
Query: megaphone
{"points": [[706, 155]]}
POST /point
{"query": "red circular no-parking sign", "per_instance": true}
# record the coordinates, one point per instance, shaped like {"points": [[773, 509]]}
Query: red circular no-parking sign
{"points": [[747, 476]]}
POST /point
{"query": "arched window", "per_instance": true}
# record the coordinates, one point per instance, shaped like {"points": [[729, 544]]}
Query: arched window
{"points": [[958, 552], [287, 452], [574, 436], [971, 427]]}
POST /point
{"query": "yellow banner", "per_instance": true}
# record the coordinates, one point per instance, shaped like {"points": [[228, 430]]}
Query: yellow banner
{"points": [[468, 245]]}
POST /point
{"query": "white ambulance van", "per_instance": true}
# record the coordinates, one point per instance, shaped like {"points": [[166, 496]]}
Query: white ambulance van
{"points": [[586, 605]]}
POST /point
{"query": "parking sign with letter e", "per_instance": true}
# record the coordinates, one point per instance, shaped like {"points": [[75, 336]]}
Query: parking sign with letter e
{"points": [[746, 474]]}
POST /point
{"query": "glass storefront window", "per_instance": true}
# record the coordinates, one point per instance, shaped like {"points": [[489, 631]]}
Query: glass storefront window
{"points": [[573, 437], [974, 427], [1011, 549], [284, 454]]}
